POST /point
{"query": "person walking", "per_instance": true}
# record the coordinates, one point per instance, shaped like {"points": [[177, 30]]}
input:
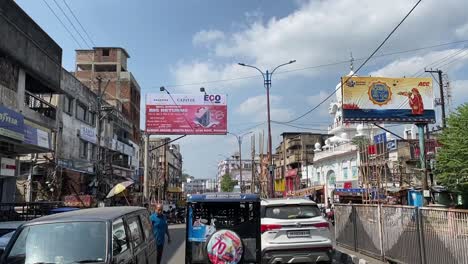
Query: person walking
{"points": [[160, 230]]}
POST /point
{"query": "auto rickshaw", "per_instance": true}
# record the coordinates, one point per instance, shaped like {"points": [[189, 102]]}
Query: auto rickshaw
{"points": [[223, 228]]}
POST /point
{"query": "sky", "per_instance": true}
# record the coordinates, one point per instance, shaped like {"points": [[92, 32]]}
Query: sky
{"points": [[185, 45]]}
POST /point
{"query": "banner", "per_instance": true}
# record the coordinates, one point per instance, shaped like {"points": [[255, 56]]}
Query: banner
{"points": [[186, 114], [36, 137], [11, 124], [88, 133], [376, 99]]}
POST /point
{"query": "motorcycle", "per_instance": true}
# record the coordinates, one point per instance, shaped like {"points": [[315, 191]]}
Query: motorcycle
{"points": [[180, 216]]}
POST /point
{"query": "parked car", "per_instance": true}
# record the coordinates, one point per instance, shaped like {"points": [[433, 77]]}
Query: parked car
{"points": [[294, 230], [7, 229], [99, 235]]}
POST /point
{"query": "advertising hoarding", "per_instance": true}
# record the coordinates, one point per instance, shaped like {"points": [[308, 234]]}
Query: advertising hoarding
{"points": [[378, 99], [11, 124], [186, 114]]}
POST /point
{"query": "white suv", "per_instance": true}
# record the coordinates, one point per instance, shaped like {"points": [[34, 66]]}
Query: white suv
{"points": [[294, 231]]}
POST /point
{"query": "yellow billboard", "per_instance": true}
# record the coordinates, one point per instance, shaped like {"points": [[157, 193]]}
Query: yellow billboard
{"points": [[379, 99]]}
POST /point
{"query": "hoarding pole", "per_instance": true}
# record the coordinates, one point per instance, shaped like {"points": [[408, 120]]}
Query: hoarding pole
{"points": [[145, 174], [422, 155]]}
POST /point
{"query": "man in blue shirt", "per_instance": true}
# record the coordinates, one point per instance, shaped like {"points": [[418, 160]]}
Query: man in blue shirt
{"points": [[160, 230]]}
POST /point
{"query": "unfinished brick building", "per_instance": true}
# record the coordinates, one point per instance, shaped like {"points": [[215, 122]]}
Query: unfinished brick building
{"points": [[123, 90]]}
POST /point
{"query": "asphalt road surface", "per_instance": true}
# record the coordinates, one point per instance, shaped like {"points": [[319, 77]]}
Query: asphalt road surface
{"points": [[174, 253]]}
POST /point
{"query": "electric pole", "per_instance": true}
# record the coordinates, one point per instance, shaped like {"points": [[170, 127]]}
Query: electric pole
{"points": [[442, 97], [98, 135]]}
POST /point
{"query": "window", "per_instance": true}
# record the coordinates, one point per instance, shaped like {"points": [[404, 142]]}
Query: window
{"points": [[67, 104], [83, 149], [119, 237], [292, 211], [147, 226], [93, 151], [345, 173], [81, 112], [135, 231], [354, 171], [72, 242], [105, 52], [92, 118]]}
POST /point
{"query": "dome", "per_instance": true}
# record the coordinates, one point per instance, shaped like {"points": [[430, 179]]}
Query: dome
{"points": [[338, 87], [317, 146], [344, 135], [360, 130]]}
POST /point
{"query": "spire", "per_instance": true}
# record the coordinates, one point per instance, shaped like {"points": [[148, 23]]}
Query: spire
{"points": [[351, 61]]}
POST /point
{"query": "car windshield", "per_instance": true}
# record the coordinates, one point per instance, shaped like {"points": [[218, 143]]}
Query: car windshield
{"points": [[75, 242], [292, 211]]}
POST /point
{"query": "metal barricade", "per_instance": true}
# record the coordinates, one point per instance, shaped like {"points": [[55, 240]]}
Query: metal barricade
{"points": [[344, 226], [445, 235], [368, 230], [401, 240]]}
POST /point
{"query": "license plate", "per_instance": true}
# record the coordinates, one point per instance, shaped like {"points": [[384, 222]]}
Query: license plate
{"points": [[294, 234]]}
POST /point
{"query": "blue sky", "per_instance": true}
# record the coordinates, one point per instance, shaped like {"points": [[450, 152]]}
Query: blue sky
{"points": [[175, 43]]}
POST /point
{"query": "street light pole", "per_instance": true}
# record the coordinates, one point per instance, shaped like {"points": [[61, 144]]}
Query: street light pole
{"points": [[239, 142], [267, 83]]}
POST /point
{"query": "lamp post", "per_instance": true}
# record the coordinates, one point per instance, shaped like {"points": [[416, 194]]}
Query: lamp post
{"points": [[239, 141], [267, 83]]}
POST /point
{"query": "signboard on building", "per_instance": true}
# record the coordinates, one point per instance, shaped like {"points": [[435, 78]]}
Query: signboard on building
{"points": [[392, 145], [11, 124], [88, 133], [380, 138], [8, 167], [378, 99], [188, 114], [36, 137], [78, 200]]}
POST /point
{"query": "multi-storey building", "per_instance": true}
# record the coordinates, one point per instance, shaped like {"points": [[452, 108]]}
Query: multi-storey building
{"points": [[232, 167], [119, 86], [30, 73], [165, 170], [294, 153]]}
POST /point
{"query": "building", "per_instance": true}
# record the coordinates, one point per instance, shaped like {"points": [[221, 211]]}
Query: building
{"points": [[198, 186], [30, 73], [165, 170], [231, 166], [336, 162], [293, 155], [122, 89]]}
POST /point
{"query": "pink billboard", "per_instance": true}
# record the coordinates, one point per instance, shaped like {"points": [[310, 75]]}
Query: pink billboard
{"points": [[186, 114]]}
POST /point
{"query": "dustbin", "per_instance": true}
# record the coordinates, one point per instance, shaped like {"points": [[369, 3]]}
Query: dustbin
{"points": [[223, 228]]}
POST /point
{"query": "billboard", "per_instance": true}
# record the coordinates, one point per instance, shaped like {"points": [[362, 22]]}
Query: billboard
{"points": [[376, 99], [186, 114]]}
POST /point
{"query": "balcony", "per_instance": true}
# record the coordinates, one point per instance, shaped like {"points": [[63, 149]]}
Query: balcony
{"points": [[335, 151], [39, 105], [294, 143]]}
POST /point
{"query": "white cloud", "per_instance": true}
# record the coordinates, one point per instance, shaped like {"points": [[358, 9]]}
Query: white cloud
{"points": [[459, 94], [321, 32], [313, 100], [414, 66], [462, 31], [256, 108], [207, 37]]}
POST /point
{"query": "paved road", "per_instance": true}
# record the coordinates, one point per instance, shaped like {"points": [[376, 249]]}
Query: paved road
{"points": [[174, 252]]}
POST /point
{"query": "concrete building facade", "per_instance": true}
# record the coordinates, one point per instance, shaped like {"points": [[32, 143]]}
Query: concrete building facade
{"points": [[30, 72], [122, 91]]}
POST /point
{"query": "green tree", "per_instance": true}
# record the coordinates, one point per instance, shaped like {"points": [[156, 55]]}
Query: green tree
{"points": [[452, 160], [227, 184]]}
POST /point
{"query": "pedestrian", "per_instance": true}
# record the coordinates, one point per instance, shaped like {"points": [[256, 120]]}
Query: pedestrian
{"points": [[160, 230]]}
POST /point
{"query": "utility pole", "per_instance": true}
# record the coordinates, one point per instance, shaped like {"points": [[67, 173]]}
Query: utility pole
{"points": [[145, 173], [442, 96], [253, 182], [98, 135]]}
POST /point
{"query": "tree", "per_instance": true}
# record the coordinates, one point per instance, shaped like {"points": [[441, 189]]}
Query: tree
{"points": [[227, 184], [452, 160]]}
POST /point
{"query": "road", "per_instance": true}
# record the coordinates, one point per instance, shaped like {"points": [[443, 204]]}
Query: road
{"points": [[175, 251]]}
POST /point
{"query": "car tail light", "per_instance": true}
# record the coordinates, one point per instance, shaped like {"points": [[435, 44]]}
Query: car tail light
{"points": [[322, 225], [270, 227]]}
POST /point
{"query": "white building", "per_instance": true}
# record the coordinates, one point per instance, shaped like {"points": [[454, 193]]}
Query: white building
{"points": [[231, 166], [335, 165]]}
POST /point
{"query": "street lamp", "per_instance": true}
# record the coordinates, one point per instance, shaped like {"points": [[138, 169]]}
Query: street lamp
{"points": [[239, 141], [267, 83]]}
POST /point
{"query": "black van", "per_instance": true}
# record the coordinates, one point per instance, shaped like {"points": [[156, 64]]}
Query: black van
{"points": [[117, 235]]}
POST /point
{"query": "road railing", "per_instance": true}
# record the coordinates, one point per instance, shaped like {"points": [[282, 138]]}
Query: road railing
{"points": [[404, 234]]}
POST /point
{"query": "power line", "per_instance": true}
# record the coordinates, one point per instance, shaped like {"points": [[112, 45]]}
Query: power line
{"points": [[79, 23], [320, 65], [73, 25], [61, 22], [360, 67]]}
